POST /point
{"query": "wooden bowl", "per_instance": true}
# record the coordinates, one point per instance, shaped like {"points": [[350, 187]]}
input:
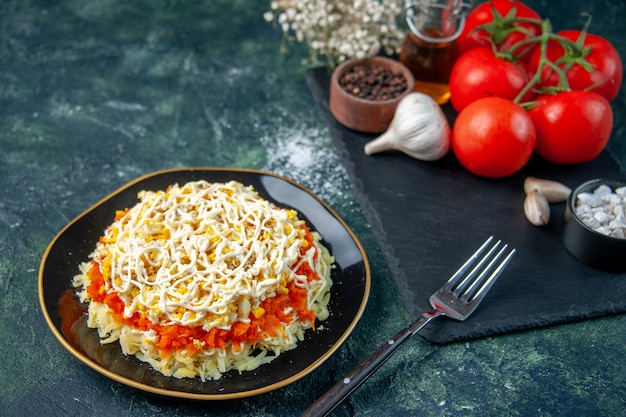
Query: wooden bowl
{"points": [[364, 114]]}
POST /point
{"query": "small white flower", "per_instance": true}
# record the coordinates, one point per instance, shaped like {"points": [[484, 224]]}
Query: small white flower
{"points": [[348, 28]]}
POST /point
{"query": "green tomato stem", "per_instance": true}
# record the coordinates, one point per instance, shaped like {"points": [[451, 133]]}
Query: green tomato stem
{"points": [[543, 39]]}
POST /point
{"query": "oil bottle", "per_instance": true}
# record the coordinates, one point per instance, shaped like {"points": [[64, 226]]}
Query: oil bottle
{"points": [[430, 47]]}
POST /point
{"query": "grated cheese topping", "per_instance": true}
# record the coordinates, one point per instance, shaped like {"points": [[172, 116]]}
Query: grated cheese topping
{"points": [[204, 253]]}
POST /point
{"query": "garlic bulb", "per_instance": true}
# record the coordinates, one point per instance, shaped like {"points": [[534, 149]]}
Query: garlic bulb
{"points": [[418, 128]]}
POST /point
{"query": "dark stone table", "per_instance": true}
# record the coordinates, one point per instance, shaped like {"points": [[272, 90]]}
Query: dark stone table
{"points": [[95, 94]]}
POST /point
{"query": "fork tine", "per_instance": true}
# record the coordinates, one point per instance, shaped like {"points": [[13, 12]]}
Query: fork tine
{"points": [[471, 293], [461, 272], [461, 289]]}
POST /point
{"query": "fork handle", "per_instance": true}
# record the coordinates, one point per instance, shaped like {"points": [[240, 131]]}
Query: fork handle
{"points": [[342, 389]]}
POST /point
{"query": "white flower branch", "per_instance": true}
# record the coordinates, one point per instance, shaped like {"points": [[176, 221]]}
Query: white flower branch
{"points": [[341, 29]]}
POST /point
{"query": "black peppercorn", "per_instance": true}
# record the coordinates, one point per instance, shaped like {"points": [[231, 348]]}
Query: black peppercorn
{"points": [[373, 82]]}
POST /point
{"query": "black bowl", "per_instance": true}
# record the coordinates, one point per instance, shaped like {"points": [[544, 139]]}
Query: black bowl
{"points": [[589, 246]]}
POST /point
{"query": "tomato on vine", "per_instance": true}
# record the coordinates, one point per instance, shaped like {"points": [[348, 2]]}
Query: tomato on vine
{"points": [[478, 73], [572, 126], [503, 22], [588, 61], [493, 137], [576, 75]]}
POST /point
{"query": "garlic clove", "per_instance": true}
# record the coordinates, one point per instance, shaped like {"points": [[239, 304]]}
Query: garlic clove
{"points": [[536, 208], [418, 128], [553, 191]]}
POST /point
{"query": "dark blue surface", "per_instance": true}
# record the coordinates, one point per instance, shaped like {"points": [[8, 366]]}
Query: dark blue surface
{"points": [[95, 94]]}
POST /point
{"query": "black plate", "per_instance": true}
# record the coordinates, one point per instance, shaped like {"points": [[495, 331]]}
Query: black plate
{"points": [[351, 283]]}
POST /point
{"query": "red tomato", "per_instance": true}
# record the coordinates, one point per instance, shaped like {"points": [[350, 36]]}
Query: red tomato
{"points": [[478, 74], [572, 127], [493, 137], [502, 31], [604, 70]]}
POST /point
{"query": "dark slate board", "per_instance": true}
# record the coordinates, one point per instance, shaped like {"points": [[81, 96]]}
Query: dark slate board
{"points": [[429, 217]]}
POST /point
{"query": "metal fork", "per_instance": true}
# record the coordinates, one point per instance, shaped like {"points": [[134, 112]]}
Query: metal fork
{"points": [[457, 299]]}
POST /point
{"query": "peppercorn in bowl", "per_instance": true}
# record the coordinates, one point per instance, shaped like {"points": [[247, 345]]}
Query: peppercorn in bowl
{"points": [[595, 224], [364, 92]]}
